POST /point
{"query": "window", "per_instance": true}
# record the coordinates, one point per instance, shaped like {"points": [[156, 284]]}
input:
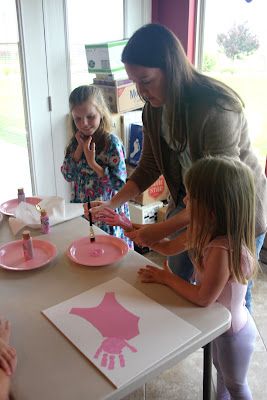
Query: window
{"points": [[14, 160], [235, 52]]}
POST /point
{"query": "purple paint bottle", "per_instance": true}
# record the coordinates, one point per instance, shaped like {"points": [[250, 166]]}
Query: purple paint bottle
{"points": [[27, 245], [21, 195], [45, 227]]}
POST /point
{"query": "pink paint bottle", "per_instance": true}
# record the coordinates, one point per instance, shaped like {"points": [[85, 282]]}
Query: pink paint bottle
{"points": [[21, 195], [27, 245], [45, 226]]}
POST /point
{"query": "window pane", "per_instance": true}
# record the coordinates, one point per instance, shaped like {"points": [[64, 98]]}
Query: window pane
{"points": [[90, 21], [235, 52], [14, 162]]}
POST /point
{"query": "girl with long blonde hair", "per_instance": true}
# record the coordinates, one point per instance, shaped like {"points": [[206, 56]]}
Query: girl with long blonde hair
{"points": [[220, 239]]}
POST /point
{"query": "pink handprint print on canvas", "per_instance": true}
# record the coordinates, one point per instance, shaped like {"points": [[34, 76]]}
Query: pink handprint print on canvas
{"points": [[116, 324]]}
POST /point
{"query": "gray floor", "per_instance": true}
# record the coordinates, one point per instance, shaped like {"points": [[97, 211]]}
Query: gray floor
{"points": [[184, 381]]}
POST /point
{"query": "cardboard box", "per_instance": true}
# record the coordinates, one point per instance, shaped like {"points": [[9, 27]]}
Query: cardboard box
{"points": [[108, 82], [135, 144], [116, 125], [122, 74], [121, 98], [158, 191], [144, 214], [105, 57]]}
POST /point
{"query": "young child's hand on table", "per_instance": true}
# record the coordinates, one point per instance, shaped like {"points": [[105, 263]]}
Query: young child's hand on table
{"points": [[8, 357], [151, 274]]}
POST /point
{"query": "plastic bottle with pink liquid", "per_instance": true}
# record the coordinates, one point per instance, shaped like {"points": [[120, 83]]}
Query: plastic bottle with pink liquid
{"points": [[27, 245]]}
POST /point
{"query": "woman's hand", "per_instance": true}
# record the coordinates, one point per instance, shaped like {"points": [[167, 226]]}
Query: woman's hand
{"points": [[96, 209], [147, 235], [151, 274]]}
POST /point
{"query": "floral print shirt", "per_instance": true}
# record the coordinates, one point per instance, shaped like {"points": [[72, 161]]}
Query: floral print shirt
{"points": [[87, 185]]}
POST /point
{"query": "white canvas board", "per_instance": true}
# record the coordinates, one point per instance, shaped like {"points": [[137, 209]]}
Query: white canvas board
{"points": [[119, 329]]}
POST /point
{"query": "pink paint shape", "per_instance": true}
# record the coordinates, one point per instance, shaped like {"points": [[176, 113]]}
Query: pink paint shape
{"points": [[12, 257], [9, 207], [104, 250], [116, 324]]}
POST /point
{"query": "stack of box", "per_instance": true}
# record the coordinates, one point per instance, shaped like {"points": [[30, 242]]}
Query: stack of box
{"points": [[121, 124], [145, 206], [104, 60]]}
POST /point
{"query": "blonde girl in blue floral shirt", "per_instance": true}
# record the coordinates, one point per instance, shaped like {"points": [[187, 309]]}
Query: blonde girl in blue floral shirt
{"points": [[94, 162]]}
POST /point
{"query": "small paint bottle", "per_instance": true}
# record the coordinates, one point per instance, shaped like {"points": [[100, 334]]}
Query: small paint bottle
{"points": [[45, 226], [27, 245], [21, 195]]}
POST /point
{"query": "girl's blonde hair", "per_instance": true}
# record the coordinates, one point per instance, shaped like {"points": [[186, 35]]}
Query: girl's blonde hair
{"points": [[94, 95], [222, 198]]}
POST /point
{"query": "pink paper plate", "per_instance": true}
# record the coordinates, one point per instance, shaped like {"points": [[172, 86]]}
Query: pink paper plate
{"points": [[104, 250], [11, 255], [9, 207]]}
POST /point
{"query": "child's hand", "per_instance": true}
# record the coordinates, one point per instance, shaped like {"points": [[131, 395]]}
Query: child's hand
{"points": [[80, 138], [144, 236], [89, 151], [151, 274], [112, 218], [8, 357]]}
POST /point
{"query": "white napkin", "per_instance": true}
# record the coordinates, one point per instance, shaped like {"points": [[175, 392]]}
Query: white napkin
{"points": [[58, 211]]}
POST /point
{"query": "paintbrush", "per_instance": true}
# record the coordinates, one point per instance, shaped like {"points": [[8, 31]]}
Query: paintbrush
{"points": [[91, 232]]}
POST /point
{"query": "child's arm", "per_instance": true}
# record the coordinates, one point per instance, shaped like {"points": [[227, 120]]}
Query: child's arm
{"points": [[165, 246], [169, 247], [4, 385], [113, 218], [149, 235], [79, 149], [89, 152], [213, 280], [8, 359]]}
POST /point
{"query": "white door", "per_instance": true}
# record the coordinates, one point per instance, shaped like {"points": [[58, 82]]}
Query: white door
{"points": [[47, 30]]}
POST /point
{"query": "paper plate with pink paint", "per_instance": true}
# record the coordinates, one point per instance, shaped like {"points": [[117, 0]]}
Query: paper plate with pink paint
{"points": [[9, 207], [104, 250], [12, 257]]}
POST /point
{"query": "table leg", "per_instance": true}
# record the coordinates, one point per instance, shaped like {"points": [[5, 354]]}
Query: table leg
{"points": [[207, 372]]}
